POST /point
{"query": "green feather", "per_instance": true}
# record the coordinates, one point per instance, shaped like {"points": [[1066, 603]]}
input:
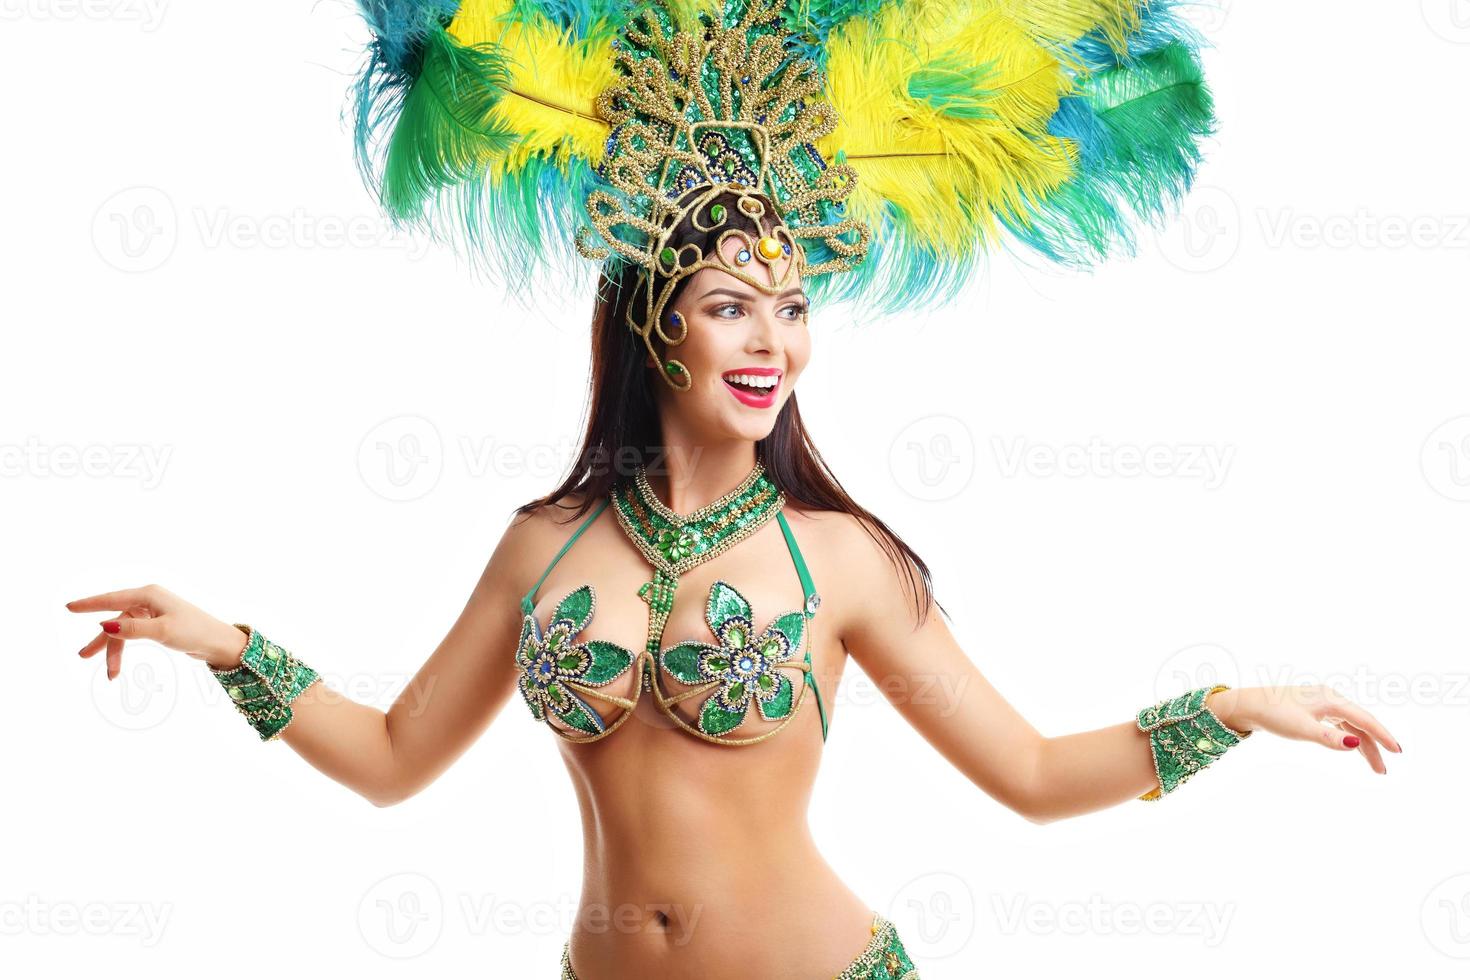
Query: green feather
{"points": [[444, 133]]}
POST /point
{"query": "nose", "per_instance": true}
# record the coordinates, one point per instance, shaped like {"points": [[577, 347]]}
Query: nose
{"points": [[765, 333]]}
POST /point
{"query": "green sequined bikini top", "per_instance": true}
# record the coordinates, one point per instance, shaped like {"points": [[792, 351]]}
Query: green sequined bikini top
{"points": [[562, 676]]}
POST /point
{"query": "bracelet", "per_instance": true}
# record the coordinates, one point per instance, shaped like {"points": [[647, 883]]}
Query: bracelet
{"points": [[1185, 736], [265, 683]]}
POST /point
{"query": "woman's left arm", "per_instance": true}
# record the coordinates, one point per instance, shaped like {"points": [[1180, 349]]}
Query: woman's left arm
{"points": [[927, 677]]}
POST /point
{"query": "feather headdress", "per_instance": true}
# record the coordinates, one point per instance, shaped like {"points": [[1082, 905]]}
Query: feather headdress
{"points": [[956, 127]]}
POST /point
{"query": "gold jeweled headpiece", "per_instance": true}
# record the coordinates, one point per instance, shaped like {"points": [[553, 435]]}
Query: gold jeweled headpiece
{"points": [[698, 114], [953, 127]]}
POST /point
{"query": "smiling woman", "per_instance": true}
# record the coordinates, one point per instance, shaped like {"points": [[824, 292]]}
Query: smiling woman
{"points": [[743, 340], [693, 135]]}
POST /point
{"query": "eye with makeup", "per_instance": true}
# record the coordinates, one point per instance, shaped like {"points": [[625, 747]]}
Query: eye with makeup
{"points": [[794, 311]]}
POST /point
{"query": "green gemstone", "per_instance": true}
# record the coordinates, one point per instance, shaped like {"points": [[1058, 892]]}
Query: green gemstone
{"points": [[719, 663], [717, 213], [553, 642], [236, 694], [569, 662], [737, 636], [673, 367], [771, 647], [737, 691], [765, 681], [667, 256]]}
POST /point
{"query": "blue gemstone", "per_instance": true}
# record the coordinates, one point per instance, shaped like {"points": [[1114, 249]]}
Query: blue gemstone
{"points": [[786, 248], [744, 663], [743, 256]]}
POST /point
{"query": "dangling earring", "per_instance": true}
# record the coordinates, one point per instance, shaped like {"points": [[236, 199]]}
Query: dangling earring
{"points": [[674, 371]]}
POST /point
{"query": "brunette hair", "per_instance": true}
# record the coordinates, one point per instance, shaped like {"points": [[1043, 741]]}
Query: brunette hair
{"points": [[623, 425]]}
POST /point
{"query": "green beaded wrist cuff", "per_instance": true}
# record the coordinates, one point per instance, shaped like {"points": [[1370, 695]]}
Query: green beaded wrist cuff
{"points": [[1185, 737], [264, 685]]}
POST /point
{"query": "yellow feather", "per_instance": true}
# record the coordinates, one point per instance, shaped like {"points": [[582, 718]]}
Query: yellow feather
{"points": [[554, 82], [1064, 21], [947, 173]]}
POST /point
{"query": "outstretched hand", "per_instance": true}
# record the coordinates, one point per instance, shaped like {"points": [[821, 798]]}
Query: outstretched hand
{"points": [[151, 612], [1307, 712]]}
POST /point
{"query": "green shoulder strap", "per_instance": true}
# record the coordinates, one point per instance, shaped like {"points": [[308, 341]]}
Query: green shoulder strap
{"points": [[527, 603], [809, 607]]}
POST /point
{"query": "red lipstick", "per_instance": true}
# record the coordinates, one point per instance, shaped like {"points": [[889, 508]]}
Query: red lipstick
{"points": [[751, 393]]}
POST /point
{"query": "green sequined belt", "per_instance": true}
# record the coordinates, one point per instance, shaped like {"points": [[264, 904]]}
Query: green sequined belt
{"points": [[884, 958]]}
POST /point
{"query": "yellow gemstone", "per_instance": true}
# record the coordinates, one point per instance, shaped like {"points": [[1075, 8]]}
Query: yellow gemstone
{"points": [[236, 694], [271, 653], [769, 247], [1204, 745]]}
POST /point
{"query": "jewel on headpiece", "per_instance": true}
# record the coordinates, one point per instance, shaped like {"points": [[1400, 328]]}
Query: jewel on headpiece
{"points": [[680, 138]]}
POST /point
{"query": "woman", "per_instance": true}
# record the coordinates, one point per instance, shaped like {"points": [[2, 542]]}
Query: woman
{"points": [[679, 611]]}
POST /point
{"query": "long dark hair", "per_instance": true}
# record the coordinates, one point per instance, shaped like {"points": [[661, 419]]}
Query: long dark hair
{"points": [[623, 425]]}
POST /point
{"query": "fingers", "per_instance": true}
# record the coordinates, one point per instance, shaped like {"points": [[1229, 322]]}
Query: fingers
{"points": [[129, 627], [1328, 734], [1368, 746], [97, 642], [1361, 718], [113, 601], [114, 656]]}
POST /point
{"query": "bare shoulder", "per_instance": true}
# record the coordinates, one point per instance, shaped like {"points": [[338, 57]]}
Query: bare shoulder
{"points": [[533, 536], [837, 537], [859, 578]]}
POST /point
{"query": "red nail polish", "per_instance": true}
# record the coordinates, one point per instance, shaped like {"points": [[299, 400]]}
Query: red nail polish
{"points": [[111, 626], [1351, 741]]}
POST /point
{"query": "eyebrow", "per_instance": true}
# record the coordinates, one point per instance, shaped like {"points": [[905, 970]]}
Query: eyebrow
{"points": [[794, 291]]}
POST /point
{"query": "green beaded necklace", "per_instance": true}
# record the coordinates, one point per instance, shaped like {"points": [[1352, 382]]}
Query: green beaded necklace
{"points": [[673, 544]]}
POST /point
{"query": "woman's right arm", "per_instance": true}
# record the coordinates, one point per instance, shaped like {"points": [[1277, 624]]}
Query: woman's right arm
{"points": [[389, 756]]}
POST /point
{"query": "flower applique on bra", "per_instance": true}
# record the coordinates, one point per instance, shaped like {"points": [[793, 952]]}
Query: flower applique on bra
{"points": [[750, 663]]}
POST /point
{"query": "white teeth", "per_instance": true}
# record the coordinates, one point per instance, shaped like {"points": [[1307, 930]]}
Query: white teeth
{"points": [[754, 380]]}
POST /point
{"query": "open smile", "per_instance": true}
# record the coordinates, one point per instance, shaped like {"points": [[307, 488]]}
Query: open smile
{"points": [[754, 386]]}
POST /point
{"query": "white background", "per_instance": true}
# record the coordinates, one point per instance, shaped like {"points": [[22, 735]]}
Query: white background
{"points": [[327, 438]]}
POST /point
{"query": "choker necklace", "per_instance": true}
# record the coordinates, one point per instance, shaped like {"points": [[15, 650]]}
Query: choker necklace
{"points": [[673, 544]]}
